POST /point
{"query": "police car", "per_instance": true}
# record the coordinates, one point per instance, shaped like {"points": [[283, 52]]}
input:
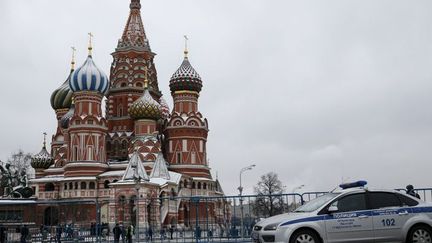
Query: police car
{"points": [[353, 214]]}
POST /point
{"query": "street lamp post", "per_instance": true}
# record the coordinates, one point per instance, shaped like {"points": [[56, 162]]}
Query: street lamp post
{"points": [[240, 188], [137, 180]]}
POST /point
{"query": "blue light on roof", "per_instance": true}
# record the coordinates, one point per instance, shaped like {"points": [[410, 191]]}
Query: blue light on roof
{"points": [[353, 184]]}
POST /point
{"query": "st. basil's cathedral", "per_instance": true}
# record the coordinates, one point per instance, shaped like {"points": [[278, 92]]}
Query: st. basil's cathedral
{"points": [[139, 150]]}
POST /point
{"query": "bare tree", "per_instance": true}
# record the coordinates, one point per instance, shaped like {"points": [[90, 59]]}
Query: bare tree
{"points": [[21, 161], [269, 200]]}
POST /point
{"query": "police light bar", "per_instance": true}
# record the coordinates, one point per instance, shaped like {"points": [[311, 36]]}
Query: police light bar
{"points": [[353, 184]]}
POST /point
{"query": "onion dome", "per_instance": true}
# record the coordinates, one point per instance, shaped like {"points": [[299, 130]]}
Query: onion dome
{"points": [[145, 107], [185, 78], [43, 159], [165, 110], [64, 121], [89, 77], [61, 98]]}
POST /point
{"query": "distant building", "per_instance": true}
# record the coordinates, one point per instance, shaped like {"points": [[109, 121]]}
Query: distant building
{"points": [[138, 149]]}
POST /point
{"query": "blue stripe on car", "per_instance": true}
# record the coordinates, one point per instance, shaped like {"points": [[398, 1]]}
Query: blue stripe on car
{"points": [[358, 213]]}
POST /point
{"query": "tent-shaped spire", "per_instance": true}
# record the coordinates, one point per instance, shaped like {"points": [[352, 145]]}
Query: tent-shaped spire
{"points": [[135, 169], [134, 35], [160, 169]]}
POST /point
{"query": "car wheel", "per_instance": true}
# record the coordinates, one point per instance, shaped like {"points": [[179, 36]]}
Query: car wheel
{"points": [[420, 234], [305, 236]]}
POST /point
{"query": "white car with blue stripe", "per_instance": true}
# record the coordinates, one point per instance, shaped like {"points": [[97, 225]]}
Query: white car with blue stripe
{"points": [[353, 214]]}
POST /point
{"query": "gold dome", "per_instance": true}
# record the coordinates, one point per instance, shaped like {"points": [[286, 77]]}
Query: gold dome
{"points": [[145, 107]]}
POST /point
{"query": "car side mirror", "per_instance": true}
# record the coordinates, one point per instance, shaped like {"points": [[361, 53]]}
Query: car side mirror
{"points": [[332, 209]]}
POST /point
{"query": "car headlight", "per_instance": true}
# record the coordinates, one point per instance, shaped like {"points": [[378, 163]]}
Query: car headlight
{"points": [[271, 227]]}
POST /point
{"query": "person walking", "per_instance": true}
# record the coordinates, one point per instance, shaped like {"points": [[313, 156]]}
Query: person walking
{"points": [[171, 230], [117, 233], [410, 191], [129, 233], [150, 233], [24, 234]]}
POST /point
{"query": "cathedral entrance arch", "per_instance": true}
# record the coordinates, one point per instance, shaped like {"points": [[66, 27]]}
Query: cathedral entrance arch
{"points": [[51, 216]]}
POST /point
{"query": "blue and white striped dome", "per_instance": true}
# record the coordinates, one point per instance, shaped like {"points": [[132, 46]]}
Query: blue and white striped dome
{"points": [[89, 77]]}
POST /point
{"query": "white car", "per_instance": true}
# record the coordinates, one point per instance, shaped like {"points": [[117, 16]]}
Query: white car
{"points": [[353, 214]]}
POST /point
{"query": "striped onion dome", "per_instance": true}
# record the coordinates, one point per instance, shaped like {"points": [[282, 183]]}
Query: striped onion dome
{"points": [[185, 78], [145, 107], [64, 121], [61, 98], [89, 77], [42, 160], [165, 110]]}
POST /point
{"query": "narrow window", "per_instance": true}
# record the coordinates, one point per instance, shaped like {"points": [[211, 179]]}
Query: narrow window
{"points": [[90, 152], [75, 153], [184, 145], [178, 158], [193, 158], [201, 146]]}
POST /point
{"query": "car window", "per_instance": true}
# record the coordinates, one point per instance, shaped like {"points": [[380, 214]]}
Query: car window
{"points": [[383, 200], [353, 202], [317, 203], [407, 201]]}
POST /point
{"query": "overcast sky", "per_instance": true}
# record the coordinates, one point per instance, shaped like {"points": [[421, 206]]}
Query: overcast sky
{"points": [[316, 91]]}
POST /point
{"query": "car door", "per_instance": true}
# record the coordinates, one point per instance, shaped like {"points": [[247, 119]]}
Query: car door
{"points": [[388, 216], [352, 222]]}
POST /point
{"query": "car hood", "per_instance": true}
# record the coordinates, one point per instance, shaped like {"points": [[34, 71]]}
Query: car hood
{"points": [[283, 218]]}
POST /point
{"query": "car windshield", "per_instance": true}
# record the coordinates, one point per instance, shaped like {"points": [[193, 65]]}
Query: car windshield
{"points": [[316, 203]]}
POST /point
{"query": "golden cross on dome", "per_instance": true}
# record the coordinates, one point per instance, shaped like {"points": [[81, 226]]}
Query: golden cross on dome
{"points": [[73, 58], [90, 47], [44, 143], [145, 77], [186, 46]]}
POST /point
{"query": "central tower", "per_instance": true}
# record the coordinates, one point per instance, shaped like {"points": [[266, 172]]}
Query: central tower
{"points": [[132, 63]]}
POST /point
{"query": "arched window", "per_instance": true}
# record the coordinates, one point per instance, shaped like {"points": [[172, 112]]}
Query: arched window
{"points": [[49, 187], [123, 85], [193, 185], [83, 185], [185, 184], [92, 185], [70, 185], [139, 84], [76, 185], [116, 148], [106, 184], [199, 185], [65, 186], [204, 186]]}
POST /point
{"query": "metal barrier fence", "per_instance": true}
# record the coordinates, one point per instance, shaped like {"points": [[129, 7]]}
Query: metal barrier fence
{"points": [[166, 219]]}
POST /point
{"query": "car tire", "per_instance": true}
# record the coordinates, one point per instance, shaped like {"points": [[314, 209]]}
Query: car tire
{"points": [[305, 236], [420, 233]]}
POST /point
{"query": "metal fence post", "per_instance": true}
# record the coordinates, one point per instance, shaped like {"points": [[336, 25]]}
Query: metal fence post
{"points": [[196, 200]]}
